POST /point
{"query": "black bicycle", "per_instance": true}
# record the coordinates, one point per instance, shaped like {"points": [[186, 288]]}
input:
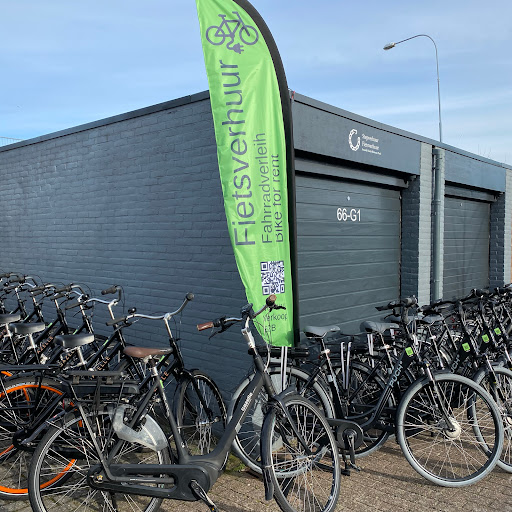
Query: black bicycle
{"points": [[110, 462], [449, 427]]}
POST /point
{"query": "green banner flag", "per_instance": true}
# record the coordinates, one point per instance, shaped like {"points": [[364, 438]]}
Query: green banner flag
{"points": [[252, 119]]}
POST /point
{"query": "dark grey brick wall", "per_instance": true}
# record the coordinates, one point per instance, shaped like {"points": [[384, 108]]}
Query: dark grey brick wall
{"points": [[500, 237], [138, 203], [416, 231]]}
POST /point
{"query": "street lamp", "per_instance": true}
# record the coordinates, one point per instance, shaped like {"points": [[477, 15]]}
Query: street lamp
{"points": [[392, 45]]}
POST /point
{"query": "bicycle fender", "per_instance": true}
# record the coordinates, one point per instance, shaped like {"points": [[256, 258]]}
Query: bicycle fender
{"points": [[267, 481], [290, 390]]}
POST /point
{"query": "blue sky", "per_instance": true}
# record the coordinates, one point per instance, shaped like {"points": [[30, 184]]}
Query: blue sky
{"points": [[65, 63]]}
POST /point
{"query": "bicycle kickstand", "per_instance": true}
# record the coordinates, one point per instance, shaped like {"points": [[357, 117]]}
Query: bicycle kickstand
{"points": [[201, 493], [349, 436]]}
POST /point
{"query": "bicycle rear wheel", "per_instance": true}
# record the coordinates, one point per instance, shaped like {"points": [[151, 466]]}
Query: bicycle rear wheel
{"points": [[66, 453], [364, 391], [247, 442], [200, 413], [451, 434], [300, 452]]}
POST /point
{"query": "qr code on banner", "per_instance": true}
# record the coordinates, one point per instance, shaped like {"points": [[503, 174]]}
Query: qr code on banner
{"points": [[272, 277]]}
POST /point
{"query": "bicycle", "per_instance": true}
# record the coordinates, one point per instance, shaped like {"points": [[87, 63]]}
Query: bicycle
{"points": [[30, 399], [458, 422], [301, 464], [475, 351]]}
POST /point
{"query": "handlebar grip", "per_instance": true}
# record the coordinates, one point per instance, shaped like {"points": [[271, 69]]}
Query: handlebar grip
{"points": [[271, 300], [5, 274], [37, 292], [389, 305], [189, 296], [116, 321], [17, 279], [206, 325], [38, 288], [73, 305], [64, 289], [410, 301], [109, 291], [58, 296]]}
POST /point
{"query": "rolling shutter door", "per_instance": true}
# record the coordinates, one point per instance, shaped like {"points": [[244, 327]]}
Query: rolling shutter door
{"points": [[346, 266], [466, 246]]}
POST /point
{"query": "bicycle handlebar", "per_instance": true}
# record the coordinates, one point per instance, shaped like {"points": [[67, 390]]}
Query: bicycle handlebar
{"points": [[79, 302], [166, 316], [247, 314], [407, 303]]}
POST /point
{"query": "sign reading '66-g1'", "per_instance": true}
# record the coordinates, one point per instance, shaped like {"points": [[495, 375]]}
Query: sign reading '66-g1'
{"points": [[348, 214], [249, 99]]}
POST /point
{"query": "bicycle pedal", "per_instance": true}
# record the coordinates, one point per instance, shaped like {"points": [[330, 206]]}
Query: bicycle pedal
{"points": [[201, 493]]}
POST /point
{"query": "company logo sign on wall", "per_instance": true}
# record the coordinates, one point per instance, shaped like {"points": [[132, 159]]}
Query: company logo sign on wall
{"points": [[369, 144], [352, 147]]}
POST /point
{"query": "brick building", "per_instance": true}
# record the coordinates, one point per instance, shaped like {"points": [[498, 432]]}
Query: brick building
{"points": [[136, 200]]}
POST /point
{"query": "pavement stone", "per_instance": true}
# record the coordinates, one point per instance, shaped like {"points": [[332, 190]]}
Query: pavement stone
{"points": [[386, 483]]}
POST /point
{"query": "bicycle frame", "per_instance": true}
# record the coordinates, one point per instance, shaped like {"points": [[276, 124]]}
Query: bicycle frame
{"points": [[202, 470]]}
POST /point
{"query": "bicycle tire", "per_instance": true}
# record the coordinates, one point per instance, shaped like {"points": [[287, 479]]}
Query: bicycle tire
{"points": [[246, 444], [201, 420], [66, 449], [14, 398], [304, 478], [432, 446], [501, 392]]}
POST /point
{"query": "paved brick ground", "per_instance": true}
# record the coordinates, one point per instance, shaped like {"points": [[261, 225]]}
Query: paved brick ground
{"points": [[386, 484]]}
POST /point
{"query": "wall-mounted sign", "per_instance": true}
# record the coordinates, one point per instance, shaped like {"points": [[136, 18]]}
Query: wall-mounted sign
{"points": [[368, 144]]}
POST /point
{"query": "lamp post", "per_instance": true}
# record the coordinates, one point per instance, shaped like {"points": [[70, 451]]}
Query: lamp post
{"points": [[389, 46], [437, 200]]}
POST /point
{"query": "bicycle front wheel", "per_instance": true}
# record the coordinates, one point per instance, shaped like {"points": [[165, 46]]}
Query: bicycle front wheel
{"points": [[65, 455], [247, 442], [301, 454], [451, 432]]}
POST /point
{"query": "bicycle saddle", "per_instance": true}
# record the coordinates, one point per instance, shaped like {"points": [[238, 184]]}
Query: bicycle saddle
{"points": [[319, 332], [74, 340], [430, 319], [378, 327], [28, 328], [7, 319], [142, 352]]}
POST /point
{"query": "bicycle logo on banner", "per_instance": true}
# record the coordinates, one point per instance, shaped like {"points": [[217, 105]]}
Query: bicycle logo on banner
{"points": [[227, 29]]}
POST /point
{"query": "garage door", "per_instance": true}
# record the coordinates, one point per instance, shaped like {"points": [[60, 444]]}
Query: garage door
{"points": [[348, 250], [466, 246]]}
